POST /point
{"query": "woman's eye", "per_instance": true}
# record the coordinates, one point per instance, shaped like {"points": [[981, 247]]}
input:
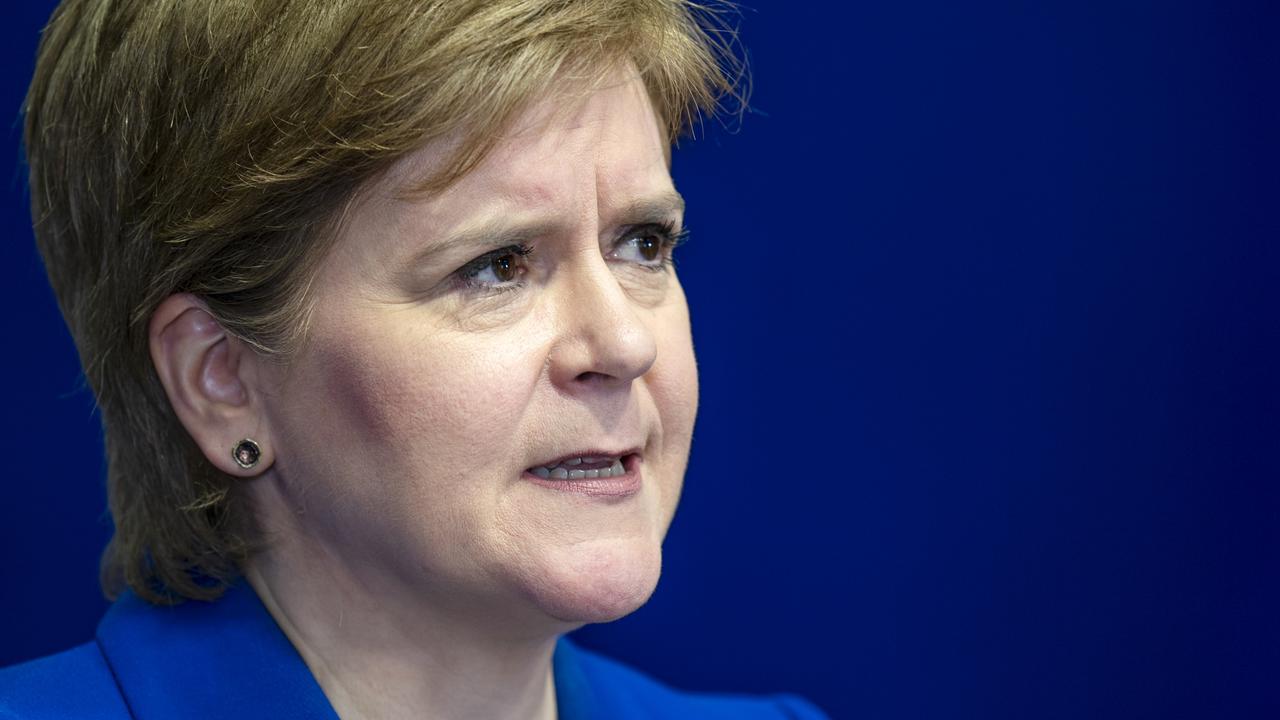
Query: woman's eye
{"points": [[498, 269], [649, 245], [504, 268]]}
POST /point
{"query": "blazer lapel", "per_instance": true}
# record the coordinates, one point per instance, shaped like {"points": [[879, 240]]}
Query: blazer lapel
{"points": [[198, 660]]}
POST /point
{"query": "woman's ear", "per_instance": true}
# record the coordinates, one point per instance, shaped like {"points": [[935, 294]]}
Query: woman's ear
{"points": [[211, 378]]}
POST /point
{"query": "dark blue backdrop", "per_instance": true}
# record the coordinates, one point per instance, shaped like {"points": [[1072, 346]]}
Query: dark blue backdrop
{"points": [[985, 301]]}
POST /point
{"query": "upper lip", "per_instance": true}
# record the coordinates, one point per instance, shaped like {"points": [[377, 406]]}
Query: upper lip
{"points": [[589, 452]]}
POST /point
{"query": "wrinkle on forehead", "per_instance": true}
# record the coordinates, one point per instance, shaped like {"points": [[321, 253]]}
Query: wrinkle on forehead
{"points": [[579, 137], [575, 105]]}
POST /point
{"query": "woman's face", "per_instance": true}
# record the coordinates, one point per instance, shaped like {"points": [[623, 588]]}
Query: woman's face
{"points": [[519, 320]]}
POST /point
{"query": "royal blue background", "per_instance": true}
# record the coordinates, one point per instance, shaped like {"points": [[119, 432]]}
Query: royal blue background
{"points": [[986, 306]]}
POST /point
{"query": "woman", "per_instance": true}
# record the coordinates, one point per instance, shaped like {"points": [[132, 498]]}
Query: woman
{"points": [[395, 374]]}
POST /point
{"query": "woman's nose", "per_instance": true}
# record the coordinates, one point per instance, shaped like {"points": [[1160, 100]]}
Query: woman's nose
{"points": [[605, 337]]}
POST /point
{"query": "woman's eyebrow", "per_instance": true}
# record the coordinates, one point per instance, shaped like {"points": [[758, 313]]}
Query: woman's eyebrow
{"points": [[489, 235], [500, 232], [659, 208]]}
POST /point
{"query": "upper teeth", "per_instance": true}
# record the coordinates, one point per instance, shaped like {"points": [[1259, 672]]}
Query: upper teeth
{"points": [[568, 470]]}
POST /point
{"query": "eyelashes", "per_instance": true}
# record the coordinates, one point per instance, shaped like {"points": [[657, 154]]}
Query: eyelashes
{"points": [[654, 244], [505, 265], [647, 247]]}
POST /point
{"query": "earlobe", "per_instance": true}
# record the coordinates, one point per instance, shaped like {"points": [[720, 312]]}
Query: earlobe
{"points": [[208, 375]]}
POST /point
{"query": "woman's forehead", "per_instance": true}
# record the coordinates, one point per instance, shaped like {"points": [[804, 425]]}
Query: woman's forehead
{"points": [[607, 145], [600, 162]]}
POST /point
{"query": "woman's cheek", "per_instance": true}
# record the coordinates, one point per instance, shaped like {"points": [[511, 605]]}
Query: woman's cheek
{"points": [[673, 385], [677, 382]]}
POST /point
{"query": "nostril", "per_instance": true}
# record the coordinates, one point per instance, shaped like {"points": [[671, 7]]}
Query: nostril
{"points": [[592, 376]]}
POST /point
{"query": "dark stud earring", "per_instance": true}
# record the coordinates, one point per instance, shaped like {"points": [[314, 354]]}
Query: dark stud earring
{"points": [[246, 453]]}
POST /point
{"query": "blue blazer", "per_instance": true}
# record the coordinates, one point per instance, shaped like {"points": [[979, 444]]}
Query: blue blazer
{"points": [[229, 659]]}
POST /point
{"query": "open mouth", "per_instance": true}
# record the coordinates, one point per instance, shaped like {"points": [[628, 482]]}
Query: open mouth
{"points": [[586, 466]]}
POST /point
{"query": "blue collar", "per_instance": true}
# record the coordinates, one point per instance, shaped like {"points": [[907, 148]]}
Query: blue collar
{"points": [[228, 658]]}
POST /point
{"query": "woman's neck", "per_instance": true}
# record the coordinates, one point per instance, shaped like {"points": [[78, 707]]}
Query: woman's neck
{"points": [[377, 656]]}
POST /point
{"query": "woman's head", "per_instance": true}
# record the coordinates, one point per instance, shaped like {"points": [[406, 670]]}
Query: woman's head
{"points": [[255, 217]]}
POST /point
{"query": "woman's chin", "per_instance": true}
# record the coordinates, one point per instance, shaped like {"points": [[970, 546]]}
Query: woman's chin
{"points": [[597, 581]]}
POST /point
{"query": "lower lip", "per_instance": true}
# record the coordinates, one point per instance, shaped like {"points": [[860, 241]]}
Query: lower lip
{"points": [[621, 486]]}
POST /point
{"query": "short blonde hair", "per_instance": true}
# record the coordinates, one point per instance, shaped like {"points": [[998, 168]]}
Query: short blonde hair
{"points": [[205, 146]]}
